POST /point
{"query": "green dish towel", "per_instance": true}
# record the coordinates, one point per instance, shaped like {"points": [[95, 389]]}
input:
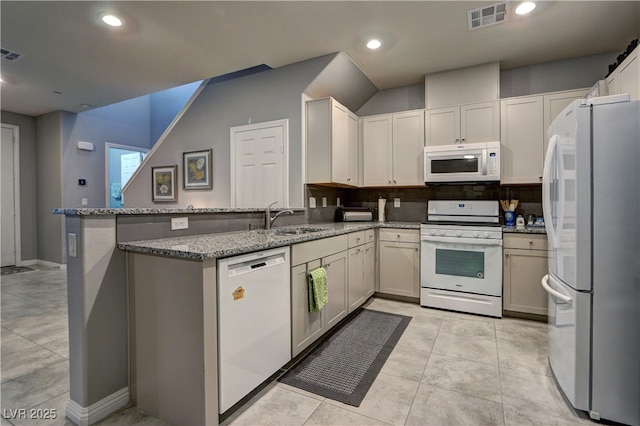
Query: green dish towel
{"points": [[318, 296]]}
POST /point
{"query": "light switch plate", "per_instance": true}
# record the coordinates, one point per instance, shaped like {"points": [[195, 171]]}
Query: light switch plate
{"points": [[324, 201], [312, 202], [85, 201], [396, 202], [179, 223], [338, 201]]}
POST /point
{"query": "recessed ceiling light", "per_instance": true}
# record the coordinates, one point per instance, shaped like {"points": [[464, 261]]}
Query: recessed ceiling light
{"points": [[525, 7], [373, 44], [111, 20]]}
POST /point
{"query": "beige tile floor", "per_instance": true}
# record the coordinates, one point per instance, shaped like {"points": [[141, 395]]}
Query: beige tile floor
{"points": [[447, 369]]}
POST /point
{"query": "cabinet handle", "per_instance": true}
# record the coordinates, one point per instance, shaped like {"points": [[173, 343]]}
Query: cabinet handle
{"points": [[457, 140], [530, 241], [398, 235], [394, 181], [389, 181], [416, 249], [358, 239], [348, 179], [506, 255]]}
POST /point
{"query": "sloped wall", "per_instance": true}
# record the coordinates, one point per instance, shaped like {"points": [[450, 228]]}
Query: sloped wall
{"points": [[270, 95]]}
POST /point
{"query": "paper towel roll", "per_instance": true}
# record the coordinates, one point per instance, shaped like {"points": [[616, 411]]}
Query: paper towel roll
{"points": [[381, 203]]}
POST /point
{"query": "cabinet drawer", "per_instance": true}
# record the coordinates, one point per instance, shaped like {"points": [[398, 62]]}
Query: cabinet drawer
{"points": [[311, 250], [525, 241], [400, 235], [356, 238], [369, 236]]}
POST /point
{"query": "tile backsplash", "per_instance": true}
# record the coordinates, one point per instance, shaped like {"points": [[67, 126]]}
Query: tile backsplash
{"points": [[413, 201]]}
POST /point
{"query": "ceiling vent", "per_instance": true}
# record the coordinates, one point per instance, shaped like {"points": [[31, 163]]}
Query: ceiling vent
{"points": [[487, 15], [9, 55]]}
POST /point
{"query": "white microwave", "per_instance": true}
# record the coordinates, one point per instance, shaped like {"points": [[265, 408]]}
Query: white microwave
{"points": [[472, 162]]}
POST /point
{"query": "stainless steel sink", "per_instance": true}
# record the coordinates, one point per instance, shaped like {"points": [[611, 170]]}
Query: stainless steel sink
{"points": [[284, 232], [295, 231]]}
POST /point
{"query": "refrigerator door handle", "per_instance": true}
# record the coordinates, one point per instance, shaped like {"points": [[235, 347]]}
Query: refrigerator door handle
{"points": [[554, 293], [546, 191]]}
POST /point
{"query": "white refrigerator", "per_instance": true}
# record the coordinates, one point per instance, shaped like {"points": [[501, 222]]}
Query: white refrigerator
{"points": [[591, 204]]}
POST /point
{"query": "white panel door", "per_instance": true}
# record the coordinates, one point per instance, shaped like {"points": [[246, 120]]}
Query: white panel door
{"points": [[340, 144], [553, 105], [259, 166], [8, 200]]}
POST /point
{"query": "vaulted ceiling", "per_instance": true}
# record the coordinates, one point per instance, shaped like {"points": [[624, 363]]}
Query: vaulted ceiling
{"points": [[70, 58]]}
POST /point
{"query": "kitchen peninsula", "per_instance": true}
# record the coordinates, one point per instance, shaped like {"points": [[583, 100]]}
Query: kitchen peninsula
{"points": [[179, 275]]}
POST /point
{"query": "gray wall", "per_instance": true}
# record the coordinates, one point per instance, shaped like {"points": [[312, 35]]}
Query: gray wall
{"points": [[266, 96], [124, 123], [28, 218], [553, 76], [165, 106], [49, 185], [394, 100]]}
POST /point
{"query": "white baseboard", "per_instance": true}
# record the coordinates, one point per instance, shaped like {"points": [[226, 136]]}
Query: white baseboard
{"points": [[85, 416]]}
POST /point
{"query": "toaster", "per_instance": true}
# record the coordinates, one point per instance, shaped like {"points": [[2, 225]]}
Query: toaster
{"points": [[353, 214]]}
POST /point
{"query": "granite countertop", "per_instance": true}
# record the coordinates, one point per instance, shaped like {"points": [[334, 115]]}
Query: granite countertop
{"points": [[525, 230], [153, 210], [210, 246]]}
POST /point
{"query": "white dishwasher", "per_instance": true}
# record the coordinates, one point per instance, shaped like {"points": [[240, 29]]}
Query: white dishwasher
{"points": [[254, 321]]}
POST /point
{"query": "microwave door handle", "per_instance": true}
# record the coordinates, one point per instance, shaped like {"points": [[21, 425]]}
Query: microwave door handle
{"points": [[546, 191], [484, 162]]}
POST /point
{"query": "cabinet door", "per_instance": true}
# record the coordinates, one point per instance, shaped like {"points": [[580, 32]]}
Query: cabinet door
{"points": [[480, 122], [522, 139], [408, 148], [336, 308], [443, 126], [400, 268], [369, 276], [377, 153], [629, 72], [553, 105], [353, 166], [613, 82], [356, 276], [339, 144], [306, 327], [523, 270]]}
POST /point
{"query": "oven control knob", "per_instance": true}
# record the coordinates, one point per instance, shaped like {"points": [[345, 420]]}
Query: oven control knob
{"points": [[433, 232], [441, 232], [476, 233], [458, 233], [486, 234]]}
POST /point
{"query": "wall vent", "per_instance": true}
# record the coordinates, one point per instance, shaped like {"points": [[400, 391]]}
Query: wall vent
{"points": [[9, 55], [487, 15]]}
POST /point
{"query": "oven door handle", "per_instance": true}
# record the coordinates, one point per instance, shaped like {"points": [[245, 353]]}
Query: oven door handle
{"points": [[456, 240]]}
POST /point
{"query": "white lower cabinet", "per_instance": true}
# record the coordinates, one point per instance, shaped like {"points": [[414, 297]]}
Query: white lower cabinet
{"points": [[400, 262], [361, 272], [525, 263], [349, 261]]}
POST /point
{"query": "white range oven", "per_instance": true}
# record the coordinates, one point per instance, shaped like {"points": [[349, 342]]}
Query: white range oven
{"points": [[461, 257]]}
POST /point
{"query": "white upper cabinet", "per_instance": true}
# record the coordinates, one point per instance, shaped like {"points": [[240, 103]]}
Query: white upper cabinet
{"points": [[554, 103], [626, 77], [393, 146], [479, 122], [524, 124], [522, 139], [332, 143]]}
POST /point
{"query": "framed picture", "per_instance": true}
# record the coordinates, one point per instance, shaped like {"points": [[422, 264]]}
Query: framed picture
{"points": [[163, 182], [197, 169]]}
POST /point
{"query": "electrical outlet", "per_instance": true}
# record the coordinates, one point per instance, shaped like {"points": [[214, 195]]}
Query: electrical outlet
{"points": [[179, 223], [324, 201], [338, 201], [396, 202], [72, 245], [312, 202], [85, 201]]}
